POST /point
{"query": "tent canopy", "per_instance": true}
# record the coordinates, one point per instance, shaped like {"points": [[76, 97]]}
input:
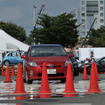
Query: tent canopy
{"points": [[8, 43], [11, 46]]}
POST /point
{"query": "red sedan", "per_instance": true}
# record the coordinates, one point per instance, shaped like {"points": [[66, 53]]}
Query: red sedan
{"points": [[53, 55]]}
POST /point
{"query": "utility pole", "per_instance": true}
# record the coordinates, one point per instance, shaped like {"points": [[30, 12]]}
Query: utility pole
{"points": [[34, 12]]}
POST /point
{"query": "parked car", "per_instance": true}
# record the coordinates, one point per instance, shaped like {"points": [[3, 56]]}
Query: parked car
{"points": [[53, 55], [100, 65], [13, 58]]}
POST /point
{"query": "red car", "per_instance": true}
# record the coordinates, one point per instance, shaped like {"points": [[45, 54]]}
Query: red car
{"points": [[53, 55]]}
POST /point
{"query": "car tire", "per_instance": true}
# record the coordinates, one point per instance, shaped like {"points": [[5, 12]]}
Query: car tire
{"points": [[6, 63], [89, 70], [27, 80]]}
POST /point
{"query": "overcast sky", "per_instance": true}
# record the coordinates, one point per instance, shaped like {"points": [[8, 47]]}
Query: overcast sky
{"points": [[20, 12]]}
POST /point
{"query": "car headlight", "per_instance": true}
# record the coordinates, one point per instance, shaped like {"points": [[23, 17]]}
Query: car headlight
{"points": [[66, 63], [32, 64]]}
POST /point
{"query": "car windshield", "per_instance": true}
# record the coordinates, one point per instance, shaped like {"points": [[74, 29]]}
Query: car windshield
{"points": [[47, 51]]}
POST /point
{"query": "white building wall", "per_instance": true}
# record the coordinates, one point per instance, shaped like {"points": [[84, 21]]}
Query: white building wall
{"points": [[97, 22], [87, 11]]}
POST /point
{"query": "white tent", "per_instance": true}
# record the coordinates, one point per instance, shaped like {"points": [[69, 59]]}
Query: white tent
{"points": [[8, 43]]}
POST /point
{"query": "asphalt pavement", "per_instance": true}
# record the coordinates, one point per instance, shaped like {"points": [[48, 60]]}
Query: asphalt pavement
{"points": [[57, 99]]}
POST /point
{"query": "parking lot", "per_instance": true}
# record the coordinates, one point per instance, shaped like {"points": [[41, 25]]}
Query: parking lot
{"points": [[81, 86], [52, 52]]}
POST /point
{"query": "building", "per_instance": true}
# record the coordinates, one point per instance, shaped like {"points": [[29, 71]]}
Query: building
{"points": [[89, 10]]}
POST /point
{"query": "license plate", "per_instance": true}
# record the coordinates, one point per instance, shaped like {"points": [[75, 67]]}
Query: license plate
{"points": [[51, 71]]}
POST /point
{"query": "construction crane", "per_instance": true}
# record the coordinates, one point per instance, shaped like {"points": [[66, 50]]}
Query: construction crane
{"points": [[82, 44], [42, 6]]}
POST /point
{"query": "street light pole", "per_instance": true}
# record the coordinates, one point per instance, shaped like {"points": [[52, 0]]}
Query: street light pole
{"points": [[34, 11]]}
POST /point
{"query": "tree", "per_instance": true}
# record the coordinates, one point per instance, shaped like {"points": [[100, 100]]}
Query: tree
{"points": [[30, 40], [97, 37], [61, 29], [15, 31]]}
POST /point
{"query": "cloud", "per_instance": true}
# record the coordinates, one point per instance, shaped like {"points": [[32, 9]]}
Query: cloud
{"points": [[21, 11], [11, 14]]}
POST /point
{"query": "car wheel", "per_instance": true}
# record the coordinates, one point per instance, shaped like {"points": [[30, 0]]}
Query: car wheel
{"points": [[24, 77], [89, 70], [27, 80], [6, 63]]}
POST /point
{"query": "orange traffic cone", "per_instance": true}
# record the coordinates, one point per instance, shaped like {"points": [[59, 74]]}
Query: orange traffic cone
{"points": [[69, 87], [20, 98], [2, 73], [13, 72], [44, 90], [96, 72], [93, 81], [4, 70], [19, 82], [85, 73], [8, 78]]}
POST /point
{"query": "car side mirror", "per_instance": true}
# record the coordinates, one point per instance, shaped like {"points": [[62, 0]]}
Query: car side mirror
{"points": [[71, 55], [24, 56]]}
